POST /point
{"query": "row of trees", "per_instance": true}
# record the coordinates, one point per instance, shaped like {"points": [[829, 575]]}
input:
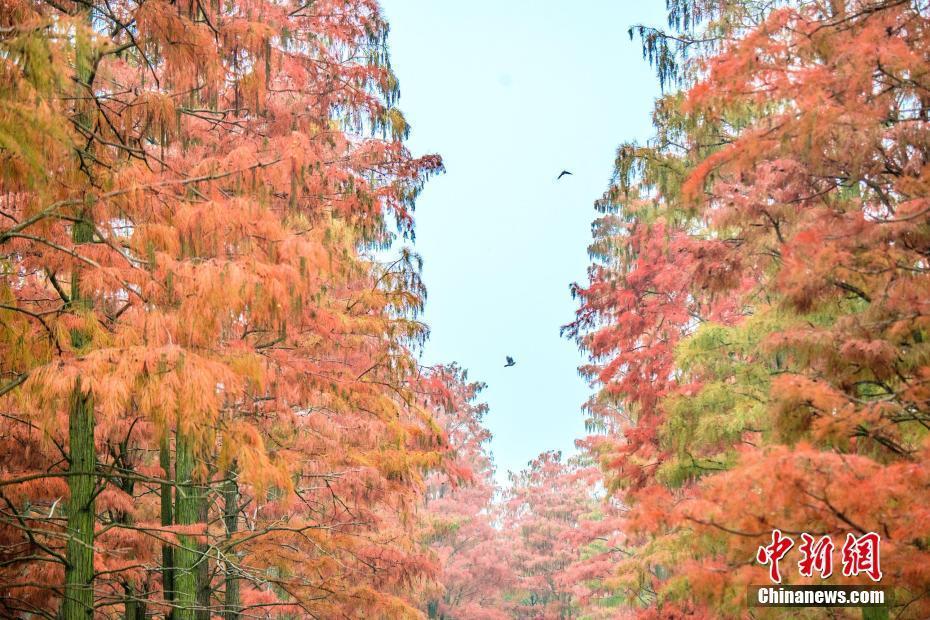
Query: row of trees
{"points": [[543, 547], [209, 405], [756, 314]]}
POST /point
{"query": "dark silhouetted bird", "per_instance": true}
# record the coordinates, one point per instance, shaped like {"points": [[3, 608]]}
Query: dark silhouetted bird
{"points": [[562, 174], [510, 362]]}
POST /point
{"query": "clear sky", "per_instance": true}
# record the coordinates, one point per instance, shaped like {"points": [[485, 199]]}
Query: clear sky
{"points": [[511, 92]]}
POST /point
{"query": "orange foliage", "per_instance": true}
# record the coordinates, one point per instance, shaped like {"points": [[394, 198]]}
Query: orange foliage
{"points": [[189, 235]]}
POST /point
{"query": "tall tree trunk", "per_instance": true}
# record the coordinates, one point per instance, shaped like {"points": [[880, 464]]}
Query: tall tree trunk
{"points": [[135, 604], [187, 512], [167, 519], [135, 608], [78, 603], [78, 600], [204, 591], [232, 605]]}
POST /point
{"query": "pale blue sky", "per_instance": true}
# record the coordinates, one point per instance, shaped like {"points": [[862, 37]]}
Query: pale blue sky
{"points": [[510, 92]]}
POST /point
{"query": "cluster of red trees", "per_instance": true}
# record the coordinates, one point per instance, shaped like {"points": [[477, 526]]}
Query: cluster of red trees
{"points": [[546, 546], [757, 315]]}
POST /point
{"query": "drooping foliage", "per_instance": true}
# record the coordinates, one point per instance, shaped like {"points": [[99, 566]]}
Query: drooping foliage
{"points": [[207, 385], [208, 402], [756, 315]]}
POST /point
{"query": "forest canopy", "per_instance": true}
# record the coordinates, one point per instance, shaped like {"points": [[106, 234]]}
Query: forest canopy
{"points": [[212, 400]]}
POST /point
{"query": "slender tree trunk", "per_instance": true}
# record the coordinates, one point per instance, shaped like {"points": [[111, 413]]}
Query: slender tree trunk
{"points": [[135, 605], [204, 591], [78, 600], [78, 603], [167, 518], [135, 608], [187, 512], [232, 605]]}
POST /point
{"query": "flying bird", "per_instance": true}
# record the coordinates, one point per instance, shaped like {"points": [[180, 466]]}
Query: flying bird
{"points": [[510, 362], [562, 174]]}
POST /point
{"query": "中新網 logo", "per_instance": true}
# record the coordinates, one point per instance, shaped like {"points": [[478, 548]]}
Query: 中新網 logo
{"points": [[860, 555]]}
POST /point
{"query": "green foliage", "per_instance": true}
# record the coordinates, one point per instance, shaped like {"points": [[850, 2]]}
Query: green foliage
{"points": [[733, 376]]}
